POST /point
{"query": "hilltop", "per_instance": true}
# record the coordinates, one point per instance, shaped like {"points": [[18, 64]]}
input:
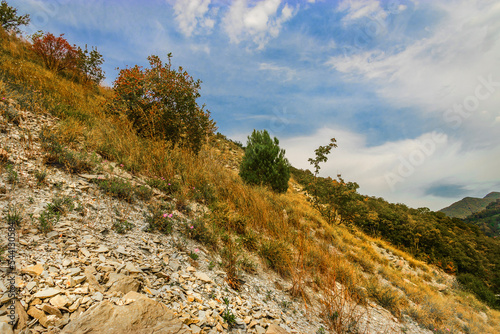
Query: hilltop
{"points": [[110, 221], [470, 205]]}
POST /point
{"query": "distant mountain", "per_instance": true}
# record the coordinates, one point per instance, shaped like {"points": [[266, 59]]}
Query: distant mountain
{"points": [[488, 220], [469, 205]]}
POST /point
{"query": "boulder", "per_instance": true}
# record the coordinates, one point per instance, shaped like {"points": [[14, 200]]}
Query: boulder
{"points": [[144, 316]]}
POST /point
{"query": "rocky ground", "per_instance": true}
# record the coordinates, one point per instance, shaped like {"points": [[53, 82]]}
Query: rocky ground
{"points": [[85, 277]]}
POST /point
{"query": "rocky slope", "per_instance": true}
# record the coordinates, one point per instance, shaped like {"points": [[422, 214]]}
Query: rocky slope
{"points": [[82, 276]]}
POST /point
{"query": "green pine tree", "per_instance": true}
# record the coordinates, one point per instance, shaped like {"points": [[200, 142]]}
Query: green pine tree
{"points": [[264, 162]]}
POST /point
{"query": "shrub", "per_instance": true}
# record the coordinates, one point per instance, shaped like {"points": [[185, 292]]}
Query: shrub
{"points": [[159, 219], [89, 64], [473, 284], [264, 162], [9, 20], [56, 53], [161, 103]]}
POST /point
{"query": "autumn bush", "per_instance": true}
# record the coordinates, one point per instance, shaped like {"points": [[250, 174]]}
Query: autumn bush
{"points": [[161, 103], [57, 54]]}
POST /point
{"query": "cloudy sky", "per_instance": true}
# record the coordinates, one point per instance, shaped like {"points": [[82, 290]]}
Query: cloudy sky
{"points": [[410, 89]]}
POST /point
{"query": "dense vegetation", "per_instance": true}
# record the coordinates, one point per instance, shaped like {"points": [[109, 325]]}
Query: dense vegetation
{"points": [[469, 205], [488, 220], [451, 244]]}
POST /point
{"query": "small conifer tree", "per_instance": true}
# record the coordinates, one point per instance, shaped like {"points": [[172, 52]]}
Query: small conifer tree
{"points": [[264, 162]]}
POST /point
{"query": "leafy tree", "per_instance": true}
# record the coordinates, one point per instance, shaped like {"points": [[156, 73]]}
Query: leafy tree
{"points": [[264, 162], [56, 53], [161, 103], [9, 19], [89, 64]]}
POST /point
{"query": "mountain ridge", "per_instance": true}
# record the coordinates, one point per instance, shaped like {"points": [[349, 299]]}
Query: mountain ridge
{"points": [[469, 205]]}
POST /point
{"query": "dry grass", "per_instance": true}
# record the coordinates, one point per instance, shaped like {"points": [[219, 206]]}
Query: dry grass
{"points": [[284, 229]]}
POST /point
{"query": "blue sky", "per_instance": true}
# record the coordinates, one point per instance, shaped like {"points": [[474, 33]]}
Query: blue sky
{"points": [[410, 89]]}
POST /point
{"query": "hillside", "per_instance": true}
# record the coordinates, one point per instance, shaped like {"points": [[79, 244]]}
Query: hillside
{"points": [[488, 220], [108, 221], [469, 205]]}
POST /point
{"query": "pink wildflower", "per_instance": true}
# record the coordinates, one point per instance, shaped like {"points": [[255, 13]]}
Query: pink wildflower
{"points": [[165, 215], [196, 250], [191, 227], [170, 215]]}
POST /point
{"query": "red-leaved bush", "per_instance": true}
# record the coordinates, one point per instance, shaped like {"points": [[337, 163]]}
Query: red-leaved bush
{"points": [[56, 53]]}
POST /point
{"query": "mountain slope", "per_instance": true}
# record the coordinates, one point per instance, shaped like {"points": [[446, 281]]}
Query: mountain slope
{"points": [[488, 220], [102, 210], [470, 205]]}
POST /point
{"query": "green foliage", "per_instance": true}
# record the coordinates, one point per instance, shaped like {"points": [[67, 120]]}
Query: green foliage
{"points": [[61, 156], [473, 284], [199, 230], [47, 220], [89, 64], [121, 226], [228, 315], [488, 220], [160, 218], [40, 176], [469, 205], [264, 162], [321, 153], [161, 103], [60, 205], [117, 187], [12, 175], [9, 20], [168, 187], [13, 215]]}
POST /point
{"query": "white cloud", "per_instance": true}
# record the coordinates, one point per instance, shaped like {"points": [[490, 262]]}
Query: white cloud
{"points": [[356, 9], [417, 164], [192, 14], [281, 72], [443, 70], [259, 23]]}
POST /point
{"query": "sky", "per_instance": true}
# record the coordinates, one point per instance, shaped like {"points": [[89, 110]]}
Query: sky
{"points": [[410, 89]]}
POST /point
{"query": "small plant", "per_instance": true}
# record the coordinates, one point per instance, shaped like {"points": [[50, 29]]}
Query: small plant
{"points": [[228, 315], [122, 226], [13, 215], [143, 193], [168, 187], [41, 176], [211, 265], [60, 205], [47, 220], [159, 219], [269, 296], [194, 256], [116, 187], [321, 330], [247, 265], [198, 230], [12, 176]]}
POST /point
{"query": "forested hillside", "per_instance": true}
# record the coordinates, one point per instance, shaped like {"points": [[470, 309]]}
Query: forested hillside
{"points": [[488, 220], [455, 246], [469, 205]]}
